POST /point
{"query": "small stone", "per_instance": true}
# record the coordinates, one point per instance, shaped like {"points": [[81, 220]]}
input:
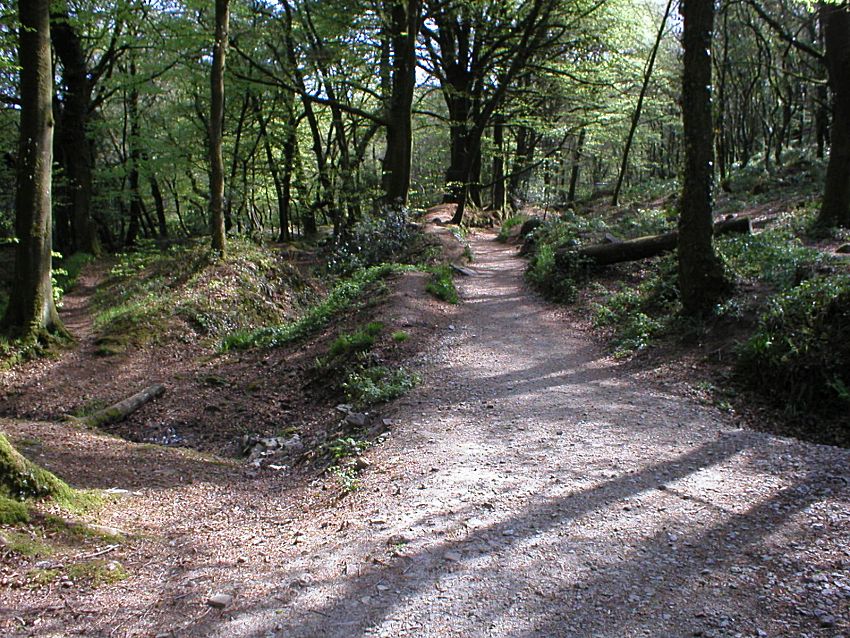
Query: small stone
{"points": [[452, 556], [356, 419], [359, 463], [382, 587], [220, 601], [345, 408], [826, 621]]}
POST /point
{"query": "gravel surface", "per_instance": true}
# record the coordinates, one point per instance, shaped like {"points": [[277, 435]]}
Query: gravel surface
{"points": [[530, 486]]}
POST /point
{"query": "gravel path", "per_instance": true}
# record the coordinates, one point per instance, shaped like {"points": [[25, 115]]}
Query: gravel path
{"points": [[529, 487], [532, 488]]}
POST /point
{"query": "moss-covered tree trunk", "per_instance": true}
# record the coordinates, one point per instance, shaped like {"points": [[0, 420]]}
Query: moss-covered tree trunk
{"points": [[31, 308], [701, 279], [222, 19], [835, 209]]}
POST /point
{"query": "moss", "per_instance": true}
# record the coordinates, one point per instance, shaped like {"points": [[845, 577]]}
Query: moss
{"points": [[24, 544], [13, 512], [20, 479], [97, 572], [78, 532], [39, 577]]}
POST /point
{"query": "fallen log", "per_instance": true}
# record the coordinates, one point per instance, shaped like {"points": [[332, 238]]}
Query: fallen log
{"points": [[123, 409], [649, 246]]}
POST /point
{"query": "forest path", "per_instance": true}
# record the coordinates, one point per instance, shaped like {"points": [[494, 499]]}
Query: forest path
{"points": [[532, 487]]}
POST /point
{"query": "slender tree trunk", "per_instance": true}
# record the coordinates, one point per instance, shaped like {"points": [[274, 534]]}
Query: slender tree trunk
{"points": [[31, 309], [701, 279], [405, 16], [222, 17], [135, 157], [500, 193], [159, 202], [574, 172], [835, 209], [72, 135], [650, 65]]}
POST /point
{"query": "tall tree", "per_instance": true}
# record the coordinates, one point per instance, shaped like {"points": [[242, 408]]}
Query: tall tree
{"points": [[222, 17], [701, 279], [835, 209], [31, 308], [402, 26]]}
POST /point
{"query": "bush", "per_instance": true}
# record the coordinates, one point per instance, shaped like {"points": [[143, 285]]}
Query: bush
{"points": [[442, 284], [378, 384], [800, 353], [638, 315], [507, 225], [775, 256], [375, 240]]}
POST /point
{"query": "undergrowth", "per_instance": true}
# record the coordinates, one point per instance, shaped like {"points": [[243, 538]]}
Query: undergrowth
{"points": [[147, 287], [800, 351], [442, 285], [345, 295], [378, 384]]}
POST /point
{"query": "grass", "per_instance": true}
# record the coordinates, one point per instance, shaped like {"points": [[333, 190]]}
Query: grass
{"points": [[442, 284], [342, 297], [357, 341]]}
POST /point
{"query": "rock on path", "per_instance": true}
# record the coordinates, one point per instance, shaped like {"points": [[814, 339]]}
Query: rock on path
{"points": [[532, 488]]}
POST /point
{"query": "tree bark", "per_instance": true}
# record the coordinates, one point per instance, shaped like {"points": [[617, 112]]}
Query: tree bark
{"points": [[701, 279], [404, 20], [835, 209], [222, 18], [500, 192], [31, 309], [123, 409], [73, 143], [574, 171]]}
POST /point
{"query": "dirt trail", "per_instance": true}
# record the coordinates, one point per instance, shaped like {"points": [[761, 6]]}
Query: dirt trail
{"points": [[530, 487]]}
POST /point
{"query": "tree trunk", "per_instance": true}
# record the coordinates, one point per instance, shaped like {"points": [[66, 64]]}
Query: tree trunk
{"points": [[701, 279], [74, 145], [500, 193], [835, 209], [31, 308], [405, 16], [159, 202], [135, 157], [574, 172], [222, 17]]}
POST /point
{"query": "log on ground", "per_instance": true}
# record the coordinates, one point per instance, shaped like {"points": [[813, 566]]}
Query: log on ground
{"points": [[651, 245], [123, 409]]}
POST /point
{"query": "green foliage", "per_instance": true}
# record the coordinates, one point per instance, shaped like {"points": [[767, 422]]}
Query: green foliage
{"points": [[800, 353], [776, 257], [359, 341], [508, 224], [637, 315], [342, 448], [24, 544], [442, 285], [66, 270], [400, 336], [343, 296], [378, 384], [385, 238], [147, 288], [348, 477]]}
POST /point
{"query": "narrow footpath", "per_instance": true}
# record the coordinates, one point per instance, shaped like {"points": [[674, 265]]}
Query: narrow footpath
{"points": [[532, 488]]}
